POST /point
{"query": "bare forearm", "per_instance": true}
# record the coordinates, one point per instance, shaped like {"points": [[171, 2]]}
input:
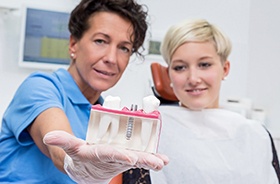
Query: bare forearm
{"points": [[50, 120]]}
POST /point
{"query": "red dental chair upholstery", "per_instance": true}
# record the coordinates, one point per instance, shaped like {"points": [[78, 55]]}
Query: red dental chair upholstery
{"points": [[161, 88]]}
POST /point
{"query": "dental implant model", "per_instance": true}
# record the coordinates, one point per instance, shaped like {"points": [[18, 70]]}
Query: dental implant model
{"points": [[150, 104], [107, 120], [137, 129]]}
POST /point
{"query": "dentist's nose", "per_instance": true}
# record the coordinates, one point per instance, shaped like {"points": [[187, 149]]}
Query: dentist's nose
{"points": [[111, 55]]}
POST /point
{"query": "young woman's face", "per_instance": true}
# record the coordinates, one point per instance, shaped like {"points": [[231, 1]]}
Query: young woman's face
{"points": [[102, 54], [196, 72]]}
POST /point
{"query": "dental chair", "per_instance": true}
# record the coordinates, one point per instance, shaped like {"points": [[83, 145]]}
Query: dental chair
{"points": [[117, 180], [161, 88]]}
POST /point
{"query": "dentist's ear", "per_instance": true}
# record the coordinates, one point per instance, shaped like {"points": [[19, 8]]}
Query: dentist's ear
{"points": [[72, 46]]}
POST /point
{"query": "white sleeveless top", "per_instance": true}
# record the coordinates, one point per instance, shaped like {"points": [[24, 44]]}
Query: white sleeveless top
{"points": [[213, 146]]}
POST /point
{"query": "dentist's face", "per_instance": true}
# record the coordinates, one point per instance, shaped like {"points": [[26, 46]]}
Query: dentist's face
{"points": [[196, 72], [102, 54]]}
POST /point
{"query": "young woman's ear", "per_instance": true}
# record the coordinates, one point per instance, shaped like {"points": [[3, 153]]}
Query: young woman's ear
{"points": [[226, 67]]}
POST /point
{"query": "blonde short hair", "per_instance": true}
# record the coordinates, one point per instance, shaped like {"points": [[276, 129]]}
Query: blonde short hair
{"points": [[195, 30]]}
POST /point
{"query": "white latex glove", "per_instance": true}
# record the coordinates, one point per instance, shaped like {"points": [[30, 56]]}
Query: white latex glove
{"points": [[86, 163]]}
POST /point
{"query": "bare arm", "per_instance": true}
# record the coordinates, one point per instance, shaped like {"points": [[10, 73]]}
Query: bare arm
{"points": [[49, 120]]}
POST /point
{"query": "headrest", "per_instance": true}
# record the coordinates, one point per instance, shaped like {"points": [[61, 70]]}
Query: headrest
{"points": [[162, 82]]}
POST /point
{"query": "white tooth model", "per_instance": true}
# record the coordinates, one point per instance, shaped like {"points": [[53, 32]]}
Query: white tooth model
{"points": [[150, 104], [109, 119], [108, 124]]}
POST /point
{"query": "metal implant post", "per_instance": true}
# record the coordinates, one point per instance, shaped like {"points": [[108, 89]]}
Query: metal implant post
{"points": [[130, 123]]}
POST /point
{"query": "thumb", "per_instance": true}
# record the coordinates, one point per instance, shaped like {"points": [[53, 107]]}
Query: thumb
{"points": [[64, 140]]}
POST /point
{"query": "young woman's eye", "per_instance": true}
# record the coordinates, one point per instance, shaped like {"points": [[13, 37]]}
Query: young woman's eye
{"points": [[204, 65], [179, 68]]}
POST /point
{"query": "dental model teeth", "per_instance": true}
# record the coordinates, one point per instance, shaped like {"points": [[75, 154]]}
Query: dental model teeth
{"points": [[125, 128], [106, 119], [150, 104]]}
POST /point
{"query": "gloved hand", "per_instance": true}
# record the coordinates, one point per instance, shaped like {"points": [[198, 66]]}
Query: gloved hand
{"points": [[86, 163]]}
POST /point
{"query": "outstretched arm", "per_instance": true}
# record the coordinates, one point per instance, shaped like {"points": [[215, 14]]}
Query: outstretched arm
{"points": [[86, 163], [50, 120]]}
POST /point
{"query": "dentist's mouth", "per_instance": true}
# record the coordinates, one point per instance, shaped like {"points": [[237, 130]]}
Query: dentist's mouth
{"points": [[110, 74]]}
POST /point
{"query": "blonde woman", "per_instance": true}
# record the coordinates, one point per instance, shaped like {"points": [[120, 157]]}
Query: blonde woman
{"points": [[207, 144]]}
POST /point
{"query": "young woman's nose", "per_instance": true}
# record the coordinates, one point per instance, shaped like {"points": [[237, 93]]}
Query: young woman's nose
{"points": [[193, 76]]}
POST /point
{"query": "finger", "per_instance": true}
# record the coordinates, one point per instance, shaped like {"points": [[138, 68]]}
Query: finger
{"points": [[164, 158], [149, 161], [62, 139], [111, 154]]}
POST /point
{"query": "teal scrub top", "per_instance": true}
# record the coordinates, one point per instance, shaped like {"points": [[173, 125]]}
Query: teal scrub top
{"points": [[20, 159]]}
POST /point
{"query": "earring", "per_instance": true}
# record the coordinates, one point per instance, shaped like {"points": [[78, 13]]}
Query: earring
{"points": [[171, 85], [72, 55], [224, 78]]}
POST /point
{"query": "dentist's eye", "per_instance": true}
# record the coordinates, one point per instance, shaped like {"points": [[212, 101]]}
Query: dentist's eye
{"points": [[125, 49], [99, 41]]}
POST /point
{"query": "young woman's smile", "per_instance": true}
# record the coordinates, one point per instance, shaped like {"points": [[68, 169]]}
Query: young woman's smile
{"points": [[196, 91], [196, 72]]}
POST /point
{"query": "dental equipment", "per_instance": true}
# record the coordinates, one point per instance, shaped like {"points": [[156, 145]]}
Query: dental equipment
{"points": [[136, 129], [130, 123]]}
